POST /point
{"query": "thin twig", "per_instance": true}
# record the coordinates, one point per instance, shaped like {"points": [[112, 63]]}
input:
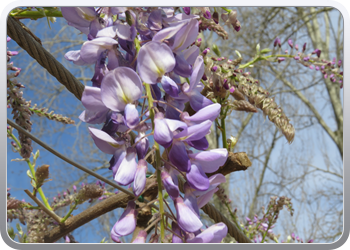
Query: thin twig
{"points": [[42, 206]]}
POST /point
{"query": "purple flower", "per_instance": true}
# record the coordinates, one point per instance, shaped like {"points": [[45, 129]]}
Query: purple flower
{"points": [[213, 234], [281, 59], [154, 60], [205, 196], [339, 63], [142, 145], [141, 237], [120, 87], [290, 43], [178, 156], [317, 52], [120, 30], [140, 177], [183, 30], [304, 47], [186, 217], [169, 86], [105, 142], [169, 185], [127, 221], [127, 168], [96, 111], [210, 160], [164, 129], [293, 236], [131, 116], [91, 50], [178, 231], [187, 10], [210, 112], [79, 17], [277, 42], [196, 178], [192, 90]]}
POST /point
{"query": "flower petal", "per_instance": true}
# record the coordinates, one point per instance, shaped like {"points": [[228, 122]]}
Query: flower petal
{"points": [[194, 132], [169, 185], [210, 112], [213, 234], [186, 36], [91, 50], [178, 157], [96, 111], [127, 222], [141, 237], [162, 133], [211, 160], [198, 101], [186, 217], [176, 229], [170, 86], [127, 169], [154, 60], [140, 177], [196, 178], [120, 87], [131, 116], [104, 141], [142, 145]]}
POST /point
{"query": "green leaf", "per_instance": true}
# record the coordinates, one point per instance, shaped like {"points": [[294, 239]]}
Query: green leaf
{"points": [[238, 54], [37, 154], [29, 174], [265, 51], [166, 195], [19, 228], [11, 233], [216, 50]]}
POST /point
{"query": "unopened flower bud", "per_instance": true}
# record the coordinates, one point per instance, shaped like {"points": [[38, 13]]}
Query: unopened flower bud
{"points": [[215, 17], [277, 42], [89, 191], [206, 51], [199, 42], [281, 59], [339, 63], [290, 43], [226, 86], [317, 52], [41, 174], [187, 10], [304, 47]]}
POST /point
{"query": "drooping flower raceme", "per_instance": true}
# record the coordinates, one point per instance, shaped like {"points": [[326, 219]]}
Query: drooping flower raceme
{"points": [[131, 48]]}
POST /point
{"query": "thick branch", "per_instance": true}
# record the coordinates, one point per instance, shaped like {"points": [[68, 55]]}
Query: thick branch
{"points": [[115, 201]]}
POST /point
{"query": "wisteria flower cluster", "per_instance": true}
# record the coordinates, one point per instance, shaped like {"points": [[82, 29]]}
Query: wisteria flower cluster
{"points": [[147, 54]]}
